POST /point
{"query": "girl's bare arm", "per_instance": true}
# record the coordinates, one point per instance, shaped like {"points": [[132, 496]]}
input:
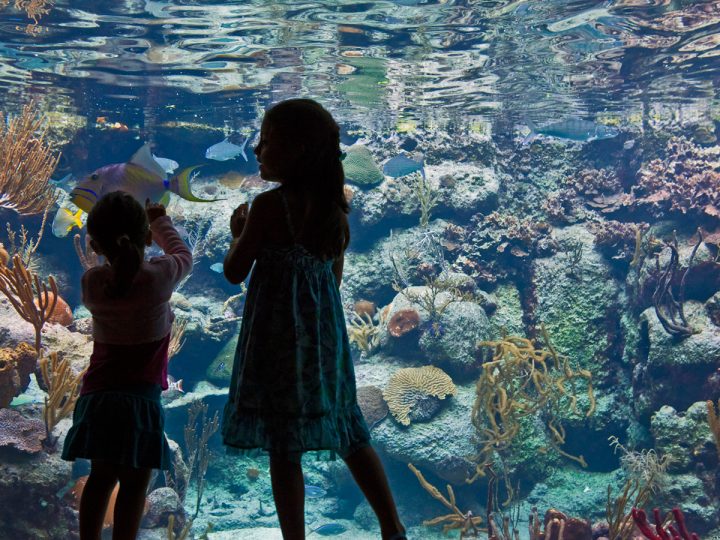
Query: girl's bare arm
{"points": [[244, 249]]}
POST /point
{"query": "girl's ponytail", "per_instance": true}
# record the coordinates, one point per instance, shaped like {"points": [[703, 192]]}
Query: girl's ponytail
{"points": [[125, 265]]}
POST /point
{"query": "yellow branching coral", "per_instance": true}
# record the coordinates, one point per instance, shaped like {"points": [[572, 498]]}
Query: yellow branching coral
{"points": [[63, 391], [28, 296], [457, 519], [26, 163], [520, 381], [409, 387], [714, 421], [364, 333]]}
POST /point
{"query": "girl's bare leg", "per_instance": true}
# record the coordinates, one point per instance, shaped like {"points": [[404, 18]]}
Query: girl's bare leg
{"points": [[95, 498], [288, 488], [130, 502], [367, 469]]}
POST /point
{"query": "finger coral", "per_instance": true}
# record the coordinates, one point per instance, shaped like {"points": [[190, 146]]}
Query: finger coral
{"points": [[413, 393]]}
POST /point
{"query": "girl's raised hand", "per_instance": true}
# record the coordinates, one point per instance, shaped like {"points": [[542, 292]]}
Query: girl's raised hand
{"points": [[153, 210], [238, 220]]}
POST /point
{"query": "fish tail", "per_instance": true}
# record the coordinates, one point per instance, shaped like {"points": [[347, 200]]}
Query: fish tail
{"points": [[242, 148], [180, 185], [179, 386]]}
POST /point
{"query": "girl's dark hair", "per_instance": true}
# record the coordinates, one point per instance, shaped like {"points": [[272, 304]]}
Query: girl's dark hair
{"points": [[119, 225], [318, 172]]}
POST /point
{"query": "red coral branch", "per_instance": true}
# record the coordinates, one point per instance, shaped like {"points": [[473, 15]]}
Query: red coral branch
{"points": [[660, 533]]}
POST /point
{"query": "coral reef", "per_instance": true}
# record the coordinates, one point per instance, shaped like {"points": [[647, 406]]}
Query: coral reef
{"points": [[412, 393], [502, 235], [16, 365], [616, 240], [685, 182]]}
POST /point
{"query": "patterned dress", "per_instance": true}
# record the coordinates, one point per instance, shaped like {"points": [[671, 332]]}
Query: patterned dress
{"points": [[292, 388]]}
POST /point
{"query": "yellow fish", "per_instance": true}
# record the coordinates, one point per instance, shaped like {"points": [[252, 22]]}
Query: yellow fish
{"points": [[65, 220]]}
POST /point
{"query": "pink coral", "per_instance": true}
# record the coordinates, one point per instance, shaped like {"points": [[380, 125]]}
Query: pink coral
{"points": [[686, 181]]}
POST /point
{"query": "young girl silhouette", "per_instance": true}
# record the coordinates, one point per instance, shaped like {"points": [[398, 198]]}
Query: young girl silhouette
{"points": [[293, 387], [118, 420]]}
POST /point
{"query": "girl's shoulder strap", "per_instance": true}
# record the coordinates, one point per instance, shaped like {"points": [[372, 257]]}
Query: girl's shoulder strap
{"points": [[288, 219]]}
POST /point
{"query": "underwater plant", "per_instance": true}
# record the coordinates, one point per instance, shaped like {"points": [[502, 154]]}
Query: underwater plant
{"points": [[63, 388], [34, 9], [426, 195], [28, 295], [646, 473], [668, 308], [177, 336], [519, 381], [465, 521], [26, 163], [196, 445]]}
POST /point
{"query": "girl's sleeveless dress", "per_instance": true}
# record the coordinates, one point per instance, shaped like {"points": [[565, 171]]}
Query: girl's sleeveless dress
{"points": [[292, 388]]}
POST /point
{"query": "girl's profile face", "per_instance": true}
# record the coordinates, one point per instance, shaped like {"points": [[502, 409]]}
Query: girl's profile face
{"points": [[274, 154]]}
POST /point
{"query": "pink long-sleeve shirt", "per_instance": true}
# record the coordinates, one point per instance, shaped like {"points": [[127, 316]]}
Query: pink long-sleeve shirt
{"points": [[132, 333]]}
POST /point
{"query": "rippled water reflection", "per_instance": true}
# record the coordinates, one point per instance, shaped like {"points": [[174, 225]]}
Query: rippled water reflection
{"points": [[446, 59]]}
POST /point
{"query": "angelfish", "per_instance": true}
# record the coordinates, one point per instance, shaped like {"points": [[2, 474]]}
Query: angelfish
{"points": [[143, 177]]}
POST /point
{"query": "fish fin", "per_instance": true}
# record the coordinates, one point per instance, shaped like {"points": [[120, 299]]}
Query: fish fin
{"points": [[180, 185], [77, 219], [165, 199], [143, 158], [242, 148], [179, 386], [530, 137]]}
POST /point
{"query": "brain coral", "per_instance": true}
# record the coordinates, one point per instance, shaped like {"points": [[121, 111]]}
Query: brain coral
{"points": [[372, 405], [411, 393], [360, 167]]}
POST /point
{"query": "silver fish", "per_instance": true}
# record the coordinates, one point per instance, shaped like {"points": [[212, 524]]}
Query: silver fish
{"points": [[225, 150], [574, 129]]}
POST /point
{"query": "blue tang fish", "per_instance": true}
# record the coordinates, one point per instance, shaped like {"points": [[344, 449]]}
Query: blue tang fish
{"points": [[142, 177], [573, 129], [402, 165], [226, 150]]}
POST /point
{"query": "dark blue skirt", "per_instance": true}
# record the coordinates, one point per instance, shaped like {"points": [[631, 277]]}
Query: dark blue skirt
{"points": [[124, 426]]}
